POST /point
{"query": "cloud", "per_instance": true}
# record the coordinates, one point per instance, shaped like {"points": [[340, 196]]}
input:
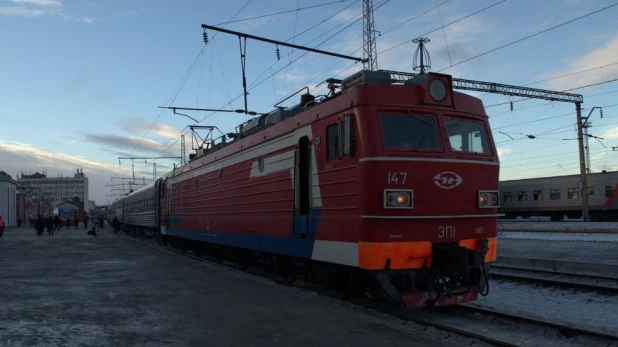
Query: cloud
{"points": [[603, 55], [15, 156], [136, 126], [611, 134], [502, 152], [346, 15], [292, 77], [21, 144], [40, 8], [125, 143], [45, 3], [21, 11]]}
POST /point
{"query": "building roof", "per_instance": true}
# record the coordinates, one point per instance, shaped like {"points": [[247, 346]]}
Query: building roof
{"points": [[5, 177]]}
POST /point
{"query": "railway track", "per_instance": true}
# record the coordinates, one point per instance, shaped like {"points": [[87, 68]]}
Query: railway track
{"points": [[501, 328], [599, 283], [463, 320]]}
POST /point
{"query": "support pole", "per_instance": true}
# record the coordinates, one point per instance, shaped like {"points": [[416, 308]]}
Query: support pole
{"points": [[133, 168], [582, 162]]}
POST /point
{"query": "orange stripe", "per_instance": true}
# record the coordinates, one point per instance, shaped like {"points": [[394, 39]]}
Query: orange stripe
{"points": [[408, 255], [472, 244], [402, 255]]}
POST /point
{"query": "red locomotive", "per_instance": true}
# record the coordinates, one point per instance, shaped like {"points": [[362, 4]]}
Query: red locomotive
{"points": [[386, 188]]}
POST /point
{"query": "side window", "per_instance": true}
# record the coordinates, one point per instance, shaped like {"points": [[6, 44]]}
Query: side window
{"points": [[341, 141], [332, 141], [507, 197], [609, 190], [345, 134]]}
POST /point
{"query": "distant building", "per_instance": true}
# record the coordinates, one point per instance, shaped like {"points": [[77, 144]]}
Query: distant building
{"points": [[67, 209], [8, 190], [90, 205], [55, 189]]}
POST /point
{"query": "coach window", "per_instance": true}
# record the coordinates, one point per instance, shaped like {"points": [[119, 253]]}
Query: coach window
{"points": [[538, 195], [608, 191], [591, 192], [522, 196], [507, 197], [572, 194], [554, 194]]}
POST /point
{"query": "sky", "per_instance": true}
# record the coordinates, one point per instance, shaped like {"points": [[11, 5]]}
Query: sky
{"points": [[82, 79]]}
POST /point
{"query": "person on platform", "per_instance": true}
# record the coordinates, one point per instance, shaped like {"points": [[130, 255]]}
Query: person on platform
{"points": [[1, 226], [40, 225], [116, 225], [49, 222]]}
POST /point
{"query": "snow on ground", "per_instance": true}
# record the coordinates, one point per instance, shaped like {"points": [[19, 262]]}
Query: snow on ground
{"points": [[558, 236], [574, 308]]}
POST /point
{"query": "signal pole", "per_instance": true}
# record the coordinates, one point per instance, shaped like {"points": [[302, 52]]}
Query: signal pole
{"points": [[370, 53], [582, 163]]}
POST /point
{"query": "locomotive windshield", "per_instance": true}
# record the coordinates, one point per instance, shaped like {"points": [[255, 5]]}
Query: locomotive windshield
{"points": [[410, 132], [467, 136]]}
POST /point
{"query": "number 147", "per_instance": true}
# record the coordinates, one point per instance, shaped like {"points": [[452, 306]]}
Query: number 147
{"points": [[397, 178]]}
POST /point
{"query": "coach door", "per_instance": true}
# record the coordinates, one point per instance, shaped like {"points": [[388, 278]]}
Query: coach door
{"points": [[302, 188]]}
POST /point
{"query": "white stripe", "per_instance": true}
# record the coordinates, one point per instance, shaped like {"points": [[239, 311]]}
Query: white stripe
{"points": [[274, 145], [316, 195], [439, 160], [345, 253], [438, 217], [276, 163]]}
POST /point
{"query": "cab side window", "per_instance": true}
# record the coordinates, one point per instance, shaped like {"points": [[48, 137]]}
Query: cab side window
{"points": [[340, 139], [332, 142]]}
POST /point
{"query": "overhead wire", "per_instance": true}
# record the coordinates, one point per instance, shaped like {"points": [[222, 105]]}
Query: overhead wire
{"points": [[179, 87], [532, 35], [272, 74], [441, 27], [560, 76], [298, 9], [302, 55]]}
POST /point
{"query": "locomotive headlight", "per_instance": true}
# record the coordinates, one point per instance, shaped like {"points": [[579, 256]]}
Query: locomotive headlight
{"points": [[489, 199], [437, 90], [398, 198]]}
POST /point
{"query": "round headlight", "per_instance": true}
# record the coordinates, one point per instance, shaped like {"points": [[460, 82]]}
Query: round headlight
{"points": [[437, 90], [402, 199]]}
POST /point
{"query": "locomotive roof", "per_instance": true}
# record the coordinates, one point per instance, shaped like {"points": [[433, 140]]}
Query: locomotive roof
{"points": [[350, 91]]}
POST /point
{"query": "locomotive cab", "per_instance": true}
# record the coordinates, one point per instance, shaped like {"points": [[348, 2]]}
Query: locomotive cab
{"points": [[429, 177]]}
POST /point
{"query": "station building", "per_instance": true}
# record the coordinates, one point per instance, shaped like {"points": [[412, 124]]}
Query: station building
{"points": [[8, 192], [56, 189]]}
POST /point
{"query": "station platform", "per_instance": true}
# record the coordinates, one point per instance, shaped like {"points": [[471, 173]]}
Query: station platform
{"points": [[578, 227], [586, 254], [110, 290]]}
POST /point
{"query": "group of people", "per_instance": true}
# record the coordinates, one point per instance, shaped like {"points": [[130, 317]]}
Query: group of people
{"points": [[54, 223]]}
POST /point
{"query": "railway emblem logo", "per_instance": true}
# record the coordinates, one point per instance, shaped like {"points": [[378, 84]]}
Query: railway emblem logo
{"points": [[447, 180]]}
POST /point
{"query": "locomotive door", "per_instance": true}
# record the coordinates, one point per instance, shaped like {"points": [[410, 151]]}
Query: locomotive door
{"points": [[168, 204], [302, 188]]}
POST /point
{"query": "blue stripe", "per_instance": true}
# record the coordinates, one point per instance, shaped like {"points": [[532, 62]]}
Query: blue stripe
{"points": [[292, 245]]}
